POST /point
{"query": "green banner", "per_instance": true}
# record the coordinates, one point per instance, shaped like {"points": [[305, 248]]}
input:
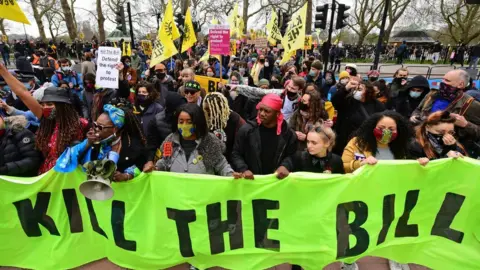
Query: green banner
{"points": [[395, 209]]}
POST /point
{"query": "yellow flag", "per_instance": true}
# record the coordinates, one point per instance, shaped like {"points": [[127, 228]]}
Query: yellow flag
{"points": [[287, 56], [214, 21], [115, 44], [124, 51], [129, 49], [168, 24], [294, 38], [10, 10], [233, 21], [189, 37], [308, 42], [241, 25], [233, 47], [272, 28]]}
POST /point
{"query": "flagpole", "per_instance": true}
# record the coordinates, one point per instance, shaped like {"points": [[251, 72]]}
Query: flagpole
{"points": [[25, 30]]}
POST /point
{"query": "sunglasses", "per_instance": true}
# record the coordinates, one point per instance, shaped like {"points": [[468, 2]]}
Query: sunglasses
{"points": [[190, 92], [101, 127], [319, 130]]}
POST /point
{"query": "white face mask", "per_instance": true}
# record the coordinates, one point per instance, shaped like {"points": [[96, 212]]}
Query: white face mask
{"points": [[210, 74], [358, 95], [344, 81], [233, 94], [415, 94], [266, 64]]}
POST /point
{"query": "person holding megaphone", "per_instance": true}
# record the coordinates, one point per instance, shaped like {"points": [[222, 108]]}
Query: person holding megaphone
{"points": [[117, 136]]}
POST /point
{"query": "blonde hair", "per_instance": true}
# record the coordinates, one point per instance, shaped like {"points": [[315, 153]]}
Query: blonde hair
{"points": [[219, 110], [326, 134]]}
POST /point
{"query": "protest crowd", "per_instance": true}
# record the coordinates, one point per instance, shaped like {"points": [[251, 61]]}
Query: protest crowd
{"points": [[257, 111]]}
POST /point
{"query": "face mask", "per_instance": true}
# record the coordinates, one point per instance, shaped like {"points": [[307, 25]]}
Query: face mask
{"points": [[344, 81], [210, 74], [329, 81], [242, 71], [186, 130], [2, 132], [291, 95], [126, 65], [448, 92], [312, 73], [373, 79], [49, 113], [142, 99], [267, 64], [358, 95], [384, 136], [235, 83], [110, 140], [233, 94], [161, 75], [262, 61], [398, 80], [415, 94], [254, 59], [435, 138], [303, 107], [90, 86], [66, 69]]}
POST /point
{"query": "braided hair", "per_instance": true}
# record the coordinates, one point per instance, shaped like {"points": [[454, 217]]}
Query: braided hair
{"points": [[69, 127], [219, 111], [132, 127]]}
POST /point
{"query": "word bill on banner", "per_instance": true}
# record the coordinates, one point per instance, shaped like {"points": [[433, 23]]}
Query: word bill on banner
{"points": [[396, 209], [107, 73]]}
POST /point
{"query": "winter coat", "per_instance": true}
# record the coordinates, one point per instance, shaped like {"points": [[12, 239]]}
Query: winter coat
{"points": [[247, 149], [17, 145], [351, 115], [404, 103], [416, 150], [320, 82], [304, 162], [207, 157], [87, 98], [149, 114], [234, 123]]}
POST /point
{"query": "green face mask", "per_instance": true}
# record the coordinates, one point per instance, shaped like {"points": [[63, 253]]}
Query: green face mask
{"points": [[186, 130]]}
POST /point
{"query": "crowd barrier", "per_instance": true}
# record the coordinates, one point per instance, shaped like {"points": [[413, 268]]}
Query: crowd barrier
{"points": [[396, 209]]}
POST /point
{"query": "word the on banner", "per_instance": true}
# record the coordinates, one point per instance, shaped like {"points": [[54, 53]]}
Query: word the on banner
{"points": [[107, 73], [219, 37], [395, 209], [208, 83]]}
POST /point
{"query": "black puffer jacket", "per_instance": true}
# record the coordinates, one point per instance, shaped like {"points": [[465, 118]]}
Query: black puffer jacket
{"points": [[405, 104], [247, 149], [18, 155]]}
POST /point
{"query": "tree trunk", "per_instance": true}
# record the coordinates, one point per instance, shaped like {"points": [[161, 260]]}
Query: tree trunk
{"points": [[72, 9], [100, 21], [245, 15], [308, 29], [67, 13], [388, 32], [2, 27], [361, 37], [38, 20]]}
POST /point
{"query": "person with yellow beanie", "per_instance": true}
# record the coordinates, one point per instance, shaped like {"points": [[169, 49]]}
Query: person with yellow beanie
{"points": [[343, 79]]}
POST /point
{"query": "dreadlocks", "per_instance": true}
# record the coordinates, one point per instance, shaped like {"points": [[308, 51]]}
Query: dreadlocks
{"points": [[218, 110], [68, 128]]}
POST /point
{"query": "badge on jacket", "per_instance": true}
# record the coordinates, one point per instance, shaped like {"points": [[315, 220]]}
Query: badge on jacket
{"points": [[167, 149]]}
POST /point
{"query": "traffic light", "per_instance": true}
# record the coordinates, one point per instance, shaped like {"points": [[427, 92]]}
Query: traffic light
{"points": [[180, 22], [342, 16], [120, 20], [285, 20], [321, 17]]}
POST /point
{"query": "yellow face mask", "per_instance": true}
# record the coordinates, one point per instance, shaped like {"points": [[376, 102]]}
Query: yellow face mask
{"points": [[186, 130]]}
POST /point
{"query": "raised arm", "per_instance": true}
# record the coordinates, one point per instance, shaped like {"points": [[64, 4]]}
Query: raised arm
{"points": [[21, 91]]}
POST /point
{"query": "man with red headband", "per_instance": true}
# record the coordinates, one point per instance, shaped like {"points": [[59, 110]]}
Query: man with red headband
{"points": [[267, 145]]}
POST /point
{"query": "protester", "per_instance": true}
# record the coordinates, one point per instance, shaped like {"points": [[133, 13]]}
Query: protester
{"points": [[414, 93], [88, 66], [65, 73], [315, 76], [267, 145], [352, 70], [257, 71], [163, 83], [399, 83], [146, 105], [373, 75], [382, 93], [221, 121], [310, 113], [329, 83], [186, 75], [191, 148], [264, 84], [116, 135], [318, 156], [17, 145], [343, 79], [435, 139], [290, 97], [128, 73], [355, 103], [193, 93]]}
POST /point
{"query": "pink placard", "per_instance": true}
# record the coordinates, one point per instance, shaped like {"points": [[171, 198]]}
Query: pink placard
{"points": [[219, 36]]}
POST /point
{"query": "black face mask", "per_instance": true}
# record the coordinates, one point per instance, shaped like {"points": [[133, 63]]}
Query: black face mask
{"points": [[436, 138], [262, 61], [160, 75], [373, 79], [291, 95], [398, 80], [303, 107]]}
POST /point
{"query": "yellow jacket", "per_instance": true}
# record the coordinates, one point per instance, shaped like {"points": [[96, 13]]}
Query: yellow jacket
{"points": [[348, 157]]}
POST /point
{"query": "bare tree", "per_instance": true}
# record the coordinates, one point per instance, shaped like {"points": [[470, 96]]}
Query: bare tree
{"points": [[55, 23], [100, 21], [40, 8], [366, 15], [2, 27], [69, 19], [395, 12], [461, 19]]}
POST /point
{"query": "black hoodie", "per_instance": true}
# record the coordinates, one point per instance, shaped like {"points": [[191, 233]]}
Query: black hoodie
{"points": [[405, 104]]}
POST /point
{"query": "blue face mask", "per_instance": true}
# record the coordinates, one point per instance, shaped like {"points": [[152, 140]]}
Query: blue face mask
{"points": [[7, 88], [28, 86]]}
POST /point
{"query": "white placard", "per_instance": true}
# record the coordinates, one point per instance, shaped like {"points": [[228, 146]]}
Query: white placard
{"points": [[107, 74]]}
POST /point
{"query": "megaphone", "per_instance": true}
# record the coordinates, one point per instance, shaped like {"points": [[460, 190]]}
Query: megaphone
{"points": [[98, 184], [97, 188]]}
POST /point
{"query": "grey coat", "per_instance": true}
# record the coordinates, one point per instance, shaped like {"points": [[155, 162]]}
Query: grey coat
{"points": [[207, 158]]}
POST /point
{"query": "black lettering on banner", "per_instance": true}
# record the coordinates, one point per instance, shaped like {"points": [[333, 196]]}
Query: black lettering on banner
{"points": [[388, 216], [450, 207], [262, 224], [73, 210], [217, 227], [344, 229], [118, 227], [30, 216], [7, 2], [93, 218], [404, 229], [182, 218], [211, 86]]}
